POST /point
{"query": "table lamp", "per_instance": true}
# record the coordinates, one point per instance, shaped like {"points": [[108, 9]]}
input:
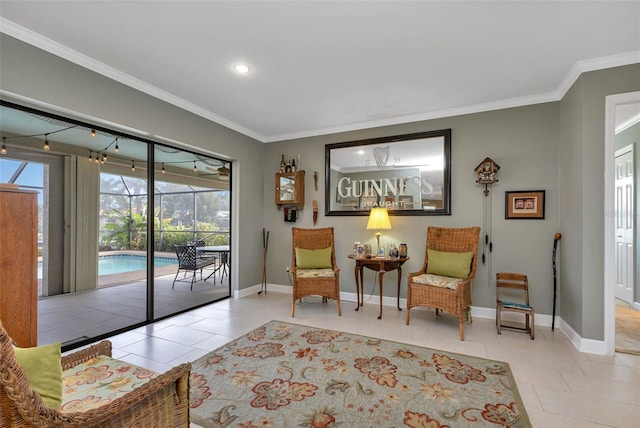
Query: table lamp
{"points": [[378, 220]]}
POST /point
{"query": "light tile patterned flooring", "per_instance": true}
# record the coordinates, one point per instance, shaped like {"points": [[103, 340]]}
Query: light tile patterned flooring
{"points": [[560, 386], [68, 318]]}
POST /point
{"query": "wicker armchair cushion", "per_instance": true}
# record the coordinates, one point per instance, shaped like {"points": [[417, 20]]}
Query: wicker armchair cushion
{"points": [[41, 365], [438, 281], [315, 273], [99, 381], [313, 259], [456, 265]]}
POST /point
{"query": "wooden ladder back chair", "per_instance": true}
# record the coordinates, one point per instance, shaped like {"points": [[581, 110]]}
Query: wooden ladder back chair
{"points": [[312, 275], [519, 283], [444, 292]]}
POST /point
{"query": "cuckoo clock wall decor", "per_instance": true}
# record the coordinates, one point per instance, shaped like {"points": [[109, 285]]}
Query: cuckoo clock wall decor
{"points": [[487, 172]]}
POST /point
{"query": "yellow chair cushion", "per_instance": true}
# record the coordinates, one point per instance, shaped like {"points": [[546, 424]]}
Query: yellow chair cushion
{"points": [[315, 273], [43, 369], [456, 265], [438, 281], [313, 259]]}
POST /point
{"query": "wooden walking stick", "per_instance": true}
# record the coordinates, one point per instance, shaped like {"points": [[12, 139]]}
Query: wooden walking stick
{"points": [[265, 245], [555, 247]]}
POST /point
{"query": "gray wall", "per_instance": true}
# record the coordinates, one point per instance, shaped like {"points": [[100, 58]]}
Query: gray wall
{"points": [[35, 74], [558, 147], [581, 166], [523, 141]]}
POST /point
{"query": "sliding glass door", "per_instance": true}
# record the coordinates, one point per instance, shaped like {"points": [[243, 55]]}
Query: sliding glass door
{"points": [[191, 230], [113, 211]]}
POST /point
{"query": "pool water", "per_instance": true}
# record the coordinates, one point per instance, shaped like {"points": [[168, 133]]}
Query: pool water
{"points": [[108, 265], [120, 263]]}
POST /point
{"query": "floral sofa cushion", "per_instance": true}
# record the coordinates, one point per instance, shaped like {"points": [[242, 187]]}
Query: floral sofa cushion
{"points": [[315, 273], [438, 281], [99, 381]]}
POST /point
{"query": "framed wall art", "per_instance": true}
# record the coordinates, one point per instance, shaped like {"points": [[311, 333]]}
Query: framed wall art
{"points": [[524, 204], [407, 174]]}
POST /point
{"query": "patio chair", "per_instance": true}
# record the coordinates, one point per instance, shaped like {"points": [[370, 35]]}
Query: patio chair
{"points": [[163, 401], [188, 261], [444, 282]]}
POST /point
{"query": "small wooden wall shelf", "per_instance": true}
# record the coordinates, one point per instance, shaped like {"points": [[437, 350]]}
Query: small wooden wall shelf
{"points": [[290, 189]]}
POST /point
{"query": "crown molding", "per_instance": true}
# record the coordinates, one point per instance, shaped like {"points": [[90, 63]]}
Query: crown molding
{"points": [[594, 64], [627, 124], [28, 36], [571, 77], [438, 114]]}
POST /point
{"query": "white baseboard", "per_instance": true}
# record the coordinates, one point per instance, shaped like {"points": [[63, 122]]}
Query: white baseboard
{"points": [[254, 289], [589, 346], [542, 320]]}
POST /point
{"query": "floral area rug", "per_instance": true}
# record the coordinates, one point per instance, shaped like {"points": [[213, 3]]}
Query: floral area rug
{"points": [[288, 375]]}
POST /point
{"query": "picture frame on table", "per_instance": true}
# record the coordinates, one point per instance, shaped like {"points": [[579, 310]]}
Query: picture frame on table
{"points": [[524, 205]]}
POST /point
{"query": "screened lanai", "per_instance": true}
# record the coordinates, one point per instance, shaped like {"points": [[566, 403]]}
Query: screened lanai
{"points": [[100, 271]]}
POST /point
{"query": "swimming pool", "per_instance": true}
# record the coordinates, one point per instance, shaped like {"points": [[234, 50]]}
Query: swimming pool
{"points": [[120, 263]]}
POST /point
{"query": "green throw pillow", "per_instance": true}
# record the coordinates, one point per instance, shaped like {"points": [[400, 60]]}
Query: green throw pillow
{"points": [[43, 368], [313, 259], [455, 265]]}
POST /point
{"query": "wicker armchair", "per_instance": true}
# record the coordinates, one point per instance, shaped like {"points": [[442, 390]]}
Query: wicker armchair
{"points": [[452, 295], [162, 402], [309, 282]]}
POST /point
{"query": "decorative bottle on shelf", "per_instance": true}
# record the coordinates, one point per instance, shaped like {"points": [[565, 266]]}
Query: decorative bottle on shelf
{"points": [[393, 251], [293, 165], [288, 167], [282, 164]]}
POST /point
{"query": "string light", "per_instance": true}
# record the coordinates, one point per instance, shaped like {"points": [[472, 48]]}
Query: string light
{"points": [[3, 149], [195, 168], [104, 158], [97, 157], [163, 171], [46, 143], [90, 155], [133, 166], [93, 133], [117, 148]]}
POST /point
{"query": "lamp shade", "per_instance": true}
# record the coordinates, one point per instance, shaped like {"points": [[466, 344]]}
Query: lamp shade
{"points": [[379, 219]]}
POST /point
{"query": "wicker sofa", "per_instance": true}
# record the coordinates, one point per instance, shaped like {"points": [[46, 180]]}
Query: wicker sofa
{"points": [[163, 401]]}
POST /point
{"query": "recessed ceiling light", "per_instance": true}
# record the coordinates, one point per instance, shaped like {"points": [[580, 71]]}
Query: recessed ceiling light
{"points": [[241, 68]]}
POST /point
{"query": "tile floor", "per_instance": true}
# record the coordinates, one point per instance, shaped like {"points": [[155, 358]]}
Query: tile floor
{"points": [[560, 386], [68, 318]]}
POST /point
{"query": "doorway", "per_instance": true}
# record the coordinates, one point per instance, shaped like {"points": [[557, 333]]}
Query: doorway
{"points": [[622, 301]]}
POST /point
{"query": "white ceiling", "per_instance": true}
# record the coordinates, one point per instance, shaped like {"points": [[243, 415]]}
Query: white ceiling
{"points": [[326, 66]]}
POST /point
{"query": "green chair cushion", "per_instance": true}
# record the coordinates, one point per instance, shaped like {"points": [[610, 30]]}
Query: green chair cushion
{"points": [[455, 265], [43, 368], [313, 259]]}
